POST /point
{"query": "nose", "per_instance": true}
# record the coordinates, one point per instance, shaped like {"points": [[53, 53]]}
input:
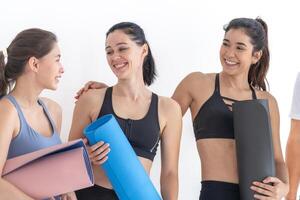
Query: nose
{"points": [[61, 70], [230, 52]]}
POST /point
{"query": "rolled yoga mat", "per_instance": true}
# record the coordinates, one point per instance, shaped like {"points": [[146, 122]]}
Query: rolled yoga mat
{"points": [[254, 146], [51, 171], [123, 168]]}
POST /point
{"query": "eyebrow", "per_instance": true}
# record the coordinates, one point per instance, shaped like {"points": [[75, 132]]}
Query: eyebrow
{"points": [[238, 43], [243, 44], [120, 43], [58, 55]]}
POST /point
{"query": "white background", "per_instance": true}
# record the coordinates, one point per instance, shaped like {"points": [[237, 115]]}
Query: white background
{"points": [[184, 36]]}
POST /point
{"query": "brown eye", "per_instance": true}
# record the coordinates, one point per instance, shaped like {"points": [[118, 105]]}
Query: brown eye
{"points": [[123, 49], [225, 44], [240, 48]]}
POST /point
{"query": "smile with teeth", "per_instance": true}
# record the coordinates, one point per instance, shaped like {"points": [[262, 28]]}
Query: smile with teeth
{"points": [[57, 78], [229, 62], [120, 65]]}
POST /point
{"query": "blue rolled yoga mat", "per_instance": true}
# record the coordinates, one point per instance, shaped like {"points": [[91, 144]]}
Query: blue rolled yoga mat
{"points": [[123, 168]]}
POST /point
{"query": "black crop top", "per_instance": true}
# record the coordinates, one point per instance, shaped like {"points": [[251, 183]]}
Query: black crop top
{"points": [[215, 119], [143, 134]]}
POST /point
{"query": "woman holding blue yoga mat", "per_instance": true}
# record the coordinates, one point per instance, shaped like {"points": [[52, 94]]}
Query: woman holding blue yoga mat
{"points": [[145, 118], [30, 64]]}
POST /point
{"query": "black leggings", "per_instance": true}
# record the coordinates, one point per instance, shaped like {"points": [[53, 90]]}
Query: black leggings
{"points": [[96, 192], [217, 190]]}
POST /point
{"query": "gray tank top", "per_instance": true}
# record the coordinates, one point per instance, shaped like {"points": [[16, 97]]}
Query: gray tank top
{"points": [[28, 140]]}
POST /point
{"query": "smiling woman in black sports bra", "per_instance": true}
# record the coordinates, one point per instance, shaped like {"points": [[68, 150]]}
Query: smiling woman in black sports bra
{"points": [[244, 57], [146, 118]]}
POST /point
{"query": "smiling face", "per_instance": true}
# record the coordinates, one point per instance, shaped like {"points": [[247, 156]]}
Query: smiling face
{"points": [[236, 53], [50, 69], [124, 56]]}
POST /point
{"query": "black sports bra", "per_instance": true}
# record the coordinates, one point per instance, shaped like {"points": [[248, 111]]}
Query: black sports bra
{"points": [[215, 119], [143, 134]]}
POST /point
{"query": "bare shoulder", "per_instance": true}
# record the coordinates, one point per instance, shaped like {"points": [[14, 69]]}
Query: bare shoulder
{"points": [[196, 77], [8, 113], [91, 102], [92, 97], [196, 81], [7, 108], [52, 106], [168, 106], [267, 95]]}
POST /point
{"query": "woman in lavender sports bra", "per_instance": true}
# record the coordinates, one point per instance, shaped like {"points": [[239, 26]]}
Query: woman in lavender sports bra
{"points": [[30, 64]]}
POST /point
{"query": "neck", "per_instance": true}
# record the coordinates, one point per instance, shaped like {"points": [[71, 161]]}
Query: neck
{"points": [[26, 91], [239, 81], [131, 88]]}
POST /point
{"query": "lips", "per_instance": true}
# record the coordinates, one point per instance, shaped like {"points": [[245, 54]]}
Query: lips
{"points": [[57, 78], [120, 65], [230, 63]]}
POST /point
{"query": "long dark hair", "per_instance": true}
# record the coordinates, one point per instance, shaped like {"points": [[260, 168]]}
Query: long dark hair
{"points": [[137, 35], [257, 30], [28, 43]]}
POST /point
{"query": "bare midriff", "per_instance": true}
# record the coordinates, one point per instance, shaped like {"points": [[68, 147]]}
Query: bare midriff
{"points": [[218, 159]]}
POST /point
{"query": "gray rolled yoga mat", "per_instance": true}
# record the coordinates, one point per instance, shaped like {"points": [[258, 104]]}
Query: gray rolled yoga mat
{"points": [[254, 146]]}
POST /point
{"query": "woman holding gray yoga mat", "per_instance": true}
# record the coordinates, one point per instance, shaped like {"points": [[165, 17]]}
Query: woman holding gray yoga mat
{"points": [[146, 118], [244, 56]]}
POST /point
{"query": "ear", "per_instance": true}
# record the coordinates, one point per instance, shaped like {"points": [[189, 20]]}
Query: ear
{"points": [[256, 56], [33, 64], [145, 50]]}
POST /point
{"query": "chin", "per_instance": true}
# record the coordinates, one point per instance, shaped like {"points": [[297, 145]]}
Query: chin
{"points": [[52, 87], [122, 76], [230, 71]]}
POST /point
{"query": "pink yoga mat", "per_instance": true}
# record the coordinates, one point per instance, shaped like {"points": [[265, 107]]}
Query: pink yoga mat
{"points": [[51, 171]]}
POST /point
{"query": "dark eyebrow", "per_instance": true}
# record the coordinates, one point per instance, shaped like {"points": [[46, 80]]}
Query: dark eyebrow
{"points": [[58, 55], [225, 40], [243, 44], [118, 44]]}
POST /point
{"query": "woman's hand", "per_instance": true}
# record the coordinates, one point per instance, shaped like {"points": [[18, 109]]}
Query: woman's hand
{"points": [[271, 188], [98, 152], [69, 196], [90, 85]]}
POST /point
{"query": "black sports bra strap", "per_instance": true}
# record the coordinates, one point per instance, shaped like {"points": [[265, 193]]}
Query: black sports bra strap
{"points": [[107, 101], [108, 94], [229, 99], [217, 83]]}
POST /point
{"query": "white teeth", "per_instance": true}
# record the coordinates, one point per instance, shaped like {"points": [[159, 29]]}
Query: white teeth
{"points": [[230, 62], [119, 65]]}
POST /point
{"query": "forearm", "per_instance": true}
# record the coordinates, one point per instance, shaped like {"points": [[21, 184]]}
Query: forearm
{"points": [[9, 191], [282, 172], [169, 187], [293, 164]]}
